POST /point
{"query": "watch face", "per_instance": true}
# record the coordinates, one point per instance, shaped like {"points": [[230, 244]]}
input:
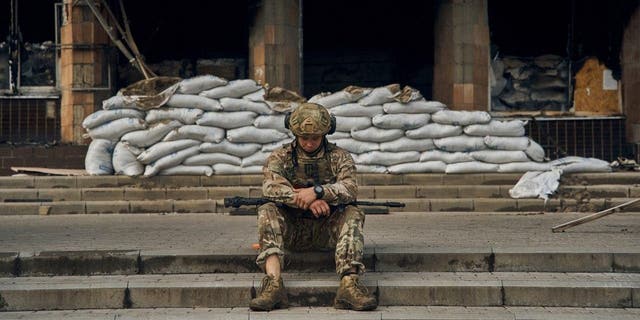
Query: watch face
{"points": [[318, 189]]}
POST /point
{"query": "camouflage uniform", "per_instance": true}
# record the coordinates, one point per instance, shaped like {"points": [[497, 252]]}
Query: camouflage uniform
{"points": [[282, 227]]}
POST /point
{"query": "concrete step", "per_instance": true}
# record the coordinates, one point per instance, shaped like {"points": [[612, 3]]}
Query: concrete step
{"points": [[322, 313], [7, 182], [131, 262], [602, 290]]}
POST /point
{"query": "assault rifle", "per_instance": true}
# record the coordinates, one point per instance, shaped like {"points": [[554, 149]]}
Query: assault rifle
{"points": [[236, 202]]}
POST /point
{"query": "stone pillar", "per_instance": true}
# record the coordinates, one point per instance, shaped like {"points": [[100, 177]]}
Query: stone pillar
{"points": [[461, 55], [630, 61], [82, 64], [275, 46]]}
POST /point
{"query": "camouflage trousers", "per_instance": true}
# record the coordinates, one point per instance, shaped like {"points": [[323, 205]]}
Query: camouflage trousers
{"points": [[281, 229]]}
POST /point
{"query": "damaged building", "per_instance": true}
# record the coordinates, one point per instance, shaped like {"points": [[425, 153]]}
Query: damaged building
{"points": [[571, 68]]}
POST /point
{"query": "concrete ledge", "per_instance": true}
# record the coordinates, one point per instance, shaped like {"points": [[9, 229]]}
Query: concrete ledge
{"points": [[195, 206], [153, 206], [454, 205], [395, 192], [97, 182], [527, 261], [189, 193], [394, 261], [627, 262], [418, 292], [159, 262], [44, 182], [18, 194], [66, 207], [60, 194], [495, 205], [10, 208], [145, 194], [94, 207], [70, 263], [232, 180], [17, 182], [102, 194], [8, 264], [567, 294]]}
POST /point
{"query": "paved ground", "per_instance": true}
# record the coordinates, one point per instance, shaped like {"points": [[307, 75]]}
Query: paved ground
{"points": [[221, 233]]}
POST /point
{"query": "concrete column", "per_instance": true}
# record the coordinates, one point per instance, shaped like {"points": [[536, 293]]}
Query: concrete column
{"points": [[630, 61], [82, 62], [274, 44], [461, 55]]}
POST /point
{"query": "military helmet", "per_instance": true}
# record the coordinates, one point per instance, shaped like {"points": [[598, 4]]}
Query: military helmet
{"points": [[310, 119]]}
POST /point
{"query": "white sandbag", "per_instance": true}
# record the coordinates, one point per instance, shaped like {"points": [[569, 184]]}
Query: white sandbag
{"points": [[507, 143], [233, 89], [237, 149], [133, 149], [373, 134], [198, 84], [417, 106], [98, 160], [339, 135], [536, 184], [193, 101], [257, 96], [125, 162], [446, 157], [513, 128], [565, 161], [101, 117], [586, 165], [225, 168], [256, 159], [115, 129], [165, 148], [182, 170], [209, 159], [232, 104], [381, 95], [269, 147], [346, 124], [356, 110], [196, 132], [407, 144], [470, 167], [270, 122], [460, 144], [255, 135], [418, 167], [524, 166], [387, 158], [535, 151], [408, 94], [227, 120], [364, 168], [402, 121], [461, 118], [355, 146], [499, 156], [170, 160], [155, 133], [347, 95], [184, 115], [119, 102], [434, 131]]}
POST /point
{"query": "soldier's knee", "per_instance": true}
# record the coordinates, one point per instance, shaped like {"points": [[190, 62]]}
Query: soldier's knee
{"points": [[353, 213]]}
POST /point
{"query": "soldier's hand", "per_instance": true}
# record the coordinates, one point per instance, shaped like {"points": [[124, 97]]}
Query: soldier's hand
{"points": [[320, 208], [303, 197]]}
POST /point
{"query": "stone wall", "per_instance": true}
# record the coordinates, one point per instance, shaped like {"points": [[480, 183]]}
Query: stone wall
{"points": [[59, 157]]}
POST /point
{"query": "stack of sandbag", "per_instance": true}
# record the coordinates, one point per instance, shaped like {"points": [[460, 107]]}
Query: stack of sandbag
{"points": [[198, 126]]}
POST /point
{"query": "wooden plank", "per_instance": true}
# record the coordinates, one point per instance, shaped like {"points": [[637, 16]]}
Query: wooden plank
{"points": [[591, 217], [51, 171]]}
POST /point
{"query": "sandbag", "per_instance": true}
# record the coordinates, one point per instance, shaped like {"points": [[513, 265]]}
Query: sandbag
{"points": [[184, 115], [257, 96], [418, 167], [407, 144], [434, 131], [356, 110], [461, 118], [155, 133], [535, 151], [470, 167], [98, 160], [355, 146], [237, 149], [227, 120], [198, 84], [125, 162], [586, 165], [115, 129], [256, 159], [408, 94], [170, 160], [271, 122], [196, 132], [381, 95], [225, 168], [255, 135], [536, 184], [364, 168], [513, 128], [460, 144], [524, 167], [232, 104], [233, 89], [417, 106], [165, 148], [507, 143], [182, 170], [346, 124], [339, 135], [194, 101], [387, 158], [373, 134], [446, 157], [209, 159], [499, 156], [101, 117], [119, 102], [402, 121], [347, 95]]}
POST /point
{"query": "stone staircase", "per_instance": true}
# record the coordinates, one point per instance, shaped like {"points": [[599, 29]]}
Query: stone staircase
{"points": [[478, 283]]}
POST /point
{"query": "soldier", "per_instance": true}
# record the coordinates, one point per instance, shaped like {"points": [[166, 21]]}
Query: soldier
{"points": [[311, 174]]}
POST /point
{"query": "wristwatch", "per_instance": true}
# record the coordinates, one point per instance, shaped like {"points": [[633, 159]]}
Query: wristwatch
{"points": [[319, 190]]}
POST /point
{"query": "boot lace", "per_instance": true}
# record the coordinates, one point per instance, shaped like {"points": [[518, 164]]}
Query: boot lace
{"points": [[267, 285], [357, 289]]}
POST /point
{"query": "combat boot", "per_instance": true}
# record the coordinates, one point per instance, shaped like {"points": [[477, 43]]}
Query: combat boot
{"points": [[272, 295], [353, 295]]}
